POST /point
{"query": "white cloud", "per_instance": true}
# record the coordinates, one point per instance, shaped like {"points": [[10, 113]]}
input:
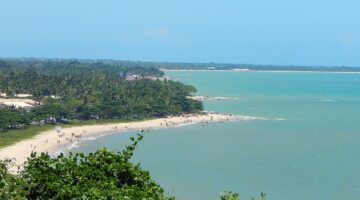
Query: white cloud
{"points": [[160, 33]]}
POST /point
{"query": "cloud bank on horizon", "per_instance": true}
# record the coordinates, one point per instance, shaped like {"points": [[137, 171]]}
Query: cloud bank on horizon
{"points": [[299, 32]]}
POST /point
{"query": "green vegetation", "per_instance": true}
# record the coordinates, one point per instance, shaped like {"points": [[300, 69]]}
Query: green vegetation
{"points": [[100, 175], [12, 136], [66, 91], [59, 66], [228, 195]]}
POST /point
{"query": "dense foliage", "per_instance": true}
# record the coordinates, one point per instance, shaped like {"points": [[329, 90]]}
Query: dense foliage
{"points": [[11, 118], [78, 91], [11, 187], [59, 66], [100, 175]]}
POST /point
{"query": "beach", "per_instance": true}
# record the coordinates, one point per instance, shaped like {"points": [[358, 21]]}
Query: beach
{"points": [[17, 102], [210, 98], [53, 140], [261, 71]]}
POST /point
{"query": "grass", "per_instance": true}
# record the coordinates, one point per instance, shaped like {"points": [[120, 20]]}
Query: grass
{"points": [[10, 137]]}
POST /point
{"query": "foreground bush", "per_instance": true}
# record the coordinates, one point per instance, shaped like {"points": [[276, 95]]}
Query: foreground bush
{"points": [[100, 175], [11, 187], [228, 195]]}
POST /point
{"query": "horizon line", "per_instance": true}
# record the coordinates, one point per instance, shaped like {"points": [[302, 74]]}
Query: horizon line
{"points": [[176, 62]]}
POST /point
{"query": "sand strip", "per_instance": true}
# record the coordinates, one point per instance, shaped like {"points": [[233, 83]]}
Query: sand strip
{"points": [[54, 140], [211, 98]]}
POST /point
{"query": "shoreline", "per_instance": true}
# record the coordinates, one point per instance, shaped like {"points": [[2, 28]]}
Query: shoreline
{"points": [[211, 98], [54, 140], [248, 71]]}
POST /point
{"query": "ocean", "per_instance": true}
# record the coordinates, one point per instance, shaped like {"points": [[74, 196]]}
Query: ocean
{"points": [[307, 149]]}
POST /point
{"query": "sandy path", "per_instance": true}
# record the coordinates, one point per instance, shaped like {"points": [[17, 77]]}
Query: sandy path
{"points": [[17, 102]]}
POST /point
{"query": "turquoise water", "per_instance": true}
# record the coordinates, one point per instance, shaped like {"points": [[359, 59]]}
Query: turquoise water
{"points": [[312, 155]]}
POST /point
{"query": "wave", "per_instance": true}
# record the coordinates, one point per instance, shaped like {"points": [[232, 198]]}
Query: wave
{"points": [[327, 100], [186, 124], [90, 138], [280, 119], [73, 145]]}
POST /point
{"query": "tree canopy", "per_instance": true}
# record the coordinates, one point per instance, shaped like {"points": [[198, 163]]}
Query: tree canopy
{"points": [[68, 91]]}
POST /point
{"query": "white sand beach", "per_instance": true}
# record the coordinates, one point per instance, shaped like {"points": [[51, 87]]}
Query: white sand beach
{"points": [[209, 98], [18, 103], [53, 140], [250, 70]]}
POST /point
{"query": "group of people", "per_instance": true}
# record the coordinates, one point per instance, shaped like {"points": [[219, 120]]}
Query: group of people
{"points": [[188, 119]]}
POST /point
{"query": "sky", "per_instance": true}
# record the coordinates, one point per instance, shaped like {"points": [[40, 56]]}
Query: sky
{"points": [[278, 32]]}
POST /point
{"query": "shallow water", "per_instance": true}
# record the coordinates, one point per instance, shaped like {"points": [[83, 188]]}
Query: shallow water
{"points": [[312, 155]]}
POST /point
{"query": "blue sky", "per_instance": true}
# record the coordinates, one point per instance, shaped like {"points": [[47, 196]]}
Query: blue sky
{"points": [[297, 32]]}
